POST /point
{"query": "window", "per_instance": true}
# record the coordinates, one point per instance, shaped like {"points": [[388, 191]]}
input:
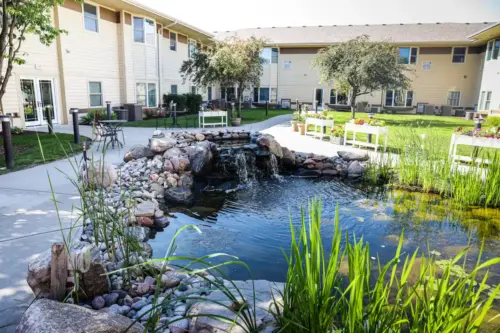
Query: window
{"points": [[255, 94], [459, 55], [274, 95], [138, 30], [140, 94], [152, 95], [481, 100], [274, 55], [95, 94], [496, 49], [173, 89], [333, 96], [454, 98], [144, 31], [488, 101], [191, 48], [265, 55], [489, 50], [173, 41], [398, 98], [146, 94], [263, 95], [193, 90], [209, 93], [408, 55], [90, 17], [223, 93]]}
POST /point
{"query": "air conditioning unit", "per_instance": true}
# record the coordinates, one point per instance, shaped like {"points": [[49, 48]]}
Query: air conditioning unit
{"points": [[375, 109], [438, 110]]}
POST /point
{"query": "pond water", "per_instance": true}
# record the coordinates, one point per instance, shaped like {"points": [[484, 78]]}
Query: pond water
{"points": [[253, 223]]}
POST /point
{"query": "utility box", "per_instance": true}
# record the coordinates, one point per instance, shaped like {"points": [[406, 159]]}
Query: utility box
{"points": [[134, 111]]}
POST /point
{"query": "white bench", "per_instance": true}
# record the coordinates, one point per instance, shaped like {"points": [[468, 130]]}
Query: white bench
{"points": [[367, 129], [211, 114], [321, 123], [466, 140]]}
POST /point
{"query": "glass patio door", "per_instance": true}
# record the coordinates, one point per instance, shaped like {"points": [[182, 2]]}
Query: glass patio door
{"points": [[38, 96]]}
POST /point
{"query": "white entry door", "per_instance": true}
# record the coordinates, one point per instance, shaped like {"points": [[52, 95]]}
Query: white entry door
{"points": [[38, 95]]}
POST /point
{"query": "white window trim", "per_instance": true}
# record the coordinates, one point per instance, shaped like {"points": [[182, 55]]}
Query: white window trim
{"points": [[144, 31], [486, 100], [170, 32], [459, 97], [98, 13], [176, 88], [337, 97], [102, 94], [405, 98], [409, 59], [465, 56], [146, 83]]}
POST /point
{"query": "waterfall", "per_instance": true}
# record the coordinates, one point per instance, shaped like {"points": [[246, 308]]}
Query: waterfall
{"points": [[273, 167], [240, 162]]}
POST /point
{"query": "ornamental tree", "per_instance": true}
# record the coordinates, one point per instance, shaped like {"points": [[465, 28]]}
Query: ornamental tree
{"points": [[231, 62], [18, 19], [360, 67]]}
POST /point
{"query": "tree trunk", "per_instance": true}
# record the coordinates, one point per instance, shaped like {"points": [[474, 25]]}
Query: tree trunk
{"points": [[240, 87], [353, 106]]}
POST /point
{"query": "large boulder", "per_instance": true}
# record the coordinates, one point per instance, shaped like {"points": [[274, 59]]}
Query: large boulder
{"points": [[288, 159], [264, 292], [99, 175], [269, 142], [180, 163], [138, 152], [179, 195], [160, 145], [201, 157], [94, 281], [173, 152], [355, 170], [354, 156], [45, 316]]}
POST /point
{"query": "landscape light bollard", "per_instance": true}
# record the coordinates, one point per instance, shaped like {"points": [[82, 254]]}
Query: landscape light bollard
{"points": [[297, 104], [7, 142], [267, 107], [49, 120], [108, 109], [370, 115], [76, 129]]}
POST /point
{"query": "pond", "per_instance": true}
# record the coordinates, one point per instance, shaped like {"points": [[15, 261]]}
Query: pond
{"points": [[253, 223]]}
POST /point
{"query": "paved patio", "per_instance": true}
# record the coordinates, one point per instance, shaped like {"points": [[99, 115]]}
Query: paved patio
{"points": [[29, 222]]}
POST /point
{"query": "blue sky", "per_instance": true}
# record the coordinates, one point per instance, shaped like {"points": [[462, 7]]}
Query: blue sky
{"points": [[218, 15]]}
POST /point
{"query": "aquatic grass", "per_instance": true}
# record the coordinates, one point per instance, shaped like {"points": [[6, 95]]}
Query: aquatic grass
{"points": [[317, 298]]}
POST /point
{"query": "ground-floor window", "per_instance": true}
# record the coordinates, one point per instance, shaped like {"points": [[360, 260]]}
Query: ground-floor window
{"points": [[173, 89], [209, 93], [395, 97], [146, 94], [337, 97], [193, 90], [263, 95], [95, 94], [274, 95], [454, 98], [485, 101]]}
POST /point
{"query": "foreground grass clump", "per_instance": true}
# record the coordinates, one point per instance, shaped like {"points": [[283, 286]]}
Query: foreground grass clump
{"points": [[377, 298], [423, 164]]}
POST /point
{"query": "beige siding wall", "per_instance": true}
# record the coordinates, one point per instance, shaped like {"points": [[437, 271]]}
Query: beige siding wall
{"points": [[89, 56], [171, 63], [491, 82], [430, 86], [125, 36]]}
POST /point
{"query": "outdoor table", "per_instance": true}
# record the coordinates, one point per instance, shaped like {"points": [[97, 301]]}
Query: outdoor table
{"points": [[112, 127]]}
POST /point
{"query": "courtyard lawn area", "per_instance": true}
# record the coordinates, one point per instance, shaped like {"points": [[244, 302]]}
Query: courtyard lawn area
{"points": [[27, 151], [249, 116], [440, 128]]}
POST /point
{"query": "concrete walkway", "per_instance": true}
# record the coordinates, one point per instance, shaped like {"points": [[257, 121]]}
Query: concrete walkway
{"points": [[29, 222]]}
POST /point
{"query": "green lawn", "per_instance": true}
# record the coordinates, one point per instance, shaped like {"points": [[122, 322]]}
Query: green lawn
{"points": [[27, 152], [248, 116], [441, 128]]}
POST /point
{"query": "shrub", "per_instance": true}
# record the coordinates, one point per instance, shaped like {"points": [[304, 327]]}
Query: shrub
{"points": [[193, 102], [151, 113], [95, 115], [180, 100], [492, 121], [17, 130]]}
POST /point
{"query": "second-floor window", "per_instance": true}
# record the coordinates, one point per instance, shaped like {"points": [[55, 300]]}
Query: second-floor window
{"points": [[459, 54], [408, 55], [90, 17], [191, 48], [173, 41], [269, 55], [144, 31]]}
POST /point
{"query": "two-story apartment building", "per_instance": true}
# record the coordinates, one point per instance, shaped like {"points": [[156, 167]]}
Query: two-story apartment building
{"points": [[124, 52], [115, 50], [446, 62]]}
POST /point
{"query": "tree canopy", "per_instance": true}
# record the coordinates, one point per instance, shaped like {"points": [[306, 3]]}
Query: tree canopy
{"points": [[18, 19], [360, 67], [231, 62]]}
